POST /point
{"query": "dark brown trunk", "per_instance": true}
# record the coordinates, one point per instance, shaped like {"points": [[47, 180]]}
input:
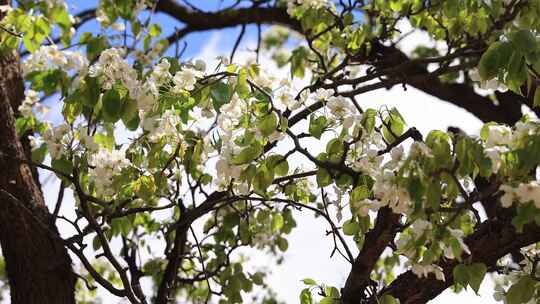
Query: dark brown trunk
{"points": [[37, 263]]}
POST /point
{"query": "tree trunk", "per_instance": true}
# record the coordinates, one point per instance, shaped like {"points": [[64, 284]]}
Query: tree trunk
{"points": [[37, 263]]}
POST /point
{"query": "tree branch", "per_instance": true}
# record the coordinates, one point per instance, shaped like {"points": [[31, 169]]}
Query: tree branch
{"points": [[201, 21], [493, 240]]}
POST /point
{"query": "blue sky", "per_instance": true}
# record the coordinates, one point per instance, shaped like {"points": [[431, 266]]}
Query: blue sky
{"points": [[196, 41]]}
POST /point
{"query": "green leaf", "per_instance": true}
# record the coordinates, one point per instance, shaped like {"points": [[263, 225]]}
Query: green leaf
{"points": [[23, 124], [263, 179], [359, 193], [153, 266], [257, 278], [112, 105], [368, 120], [95, 46], [536, 102], [30, 43], [268, 124], [309, 281], [335, 149], [351, 227], [328, 300], [298, 58], [472, 275], [96, 243], [145, 187], [388, 299], [106, 141], [433, 195], [461, 275], [71, 111], [277, 222], [38, 155], [484, 131], [282, 244], [521, 292], [394, 125], [439, 143], [91, 91], [317, 126], [62, 165], [517, 72], [331, 291], [494, 58], [221, 94], [61, 17], [477, 271], [331, 295], [248, 154], [154, 30], [305, 296], [242, 87], [323, 178], [524, 41], [279, 164], [48, 81], [130, 115]]}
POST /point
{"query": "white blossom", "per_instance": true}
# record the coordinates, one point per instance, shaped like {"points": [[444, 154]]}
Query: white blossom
{"points": [[507, 199], [420, 226], [48, 57], [87, 140], [498, 135], [185, 79], [54, 139], [529, 192], [31, 98], [104, 165], [118, 26], [490, 84], [494, 155], [420, 149], [424, 270], [5, 8], [323, 94], [112, 68], [339, 106], [458, 235], [164, 126]]}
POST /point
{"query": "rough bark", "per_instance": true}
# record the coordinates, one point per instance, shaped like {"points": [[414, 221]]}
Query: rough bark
{"points": [[377, 239], [37, 263]]}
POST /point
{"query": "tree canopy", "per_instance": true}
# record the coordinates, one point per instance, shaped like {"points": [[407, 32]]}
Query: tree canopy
{"points": [[176, 165]]}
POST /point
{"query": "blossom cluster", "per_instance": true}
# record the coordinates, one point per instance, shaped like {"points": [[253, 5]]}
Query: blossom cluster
{"points": [[112, 68], [422, 266], [31, 100], [49, 57], [165, 126], [57, 138], [104, 166], [490, 84], [523, 193]]}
